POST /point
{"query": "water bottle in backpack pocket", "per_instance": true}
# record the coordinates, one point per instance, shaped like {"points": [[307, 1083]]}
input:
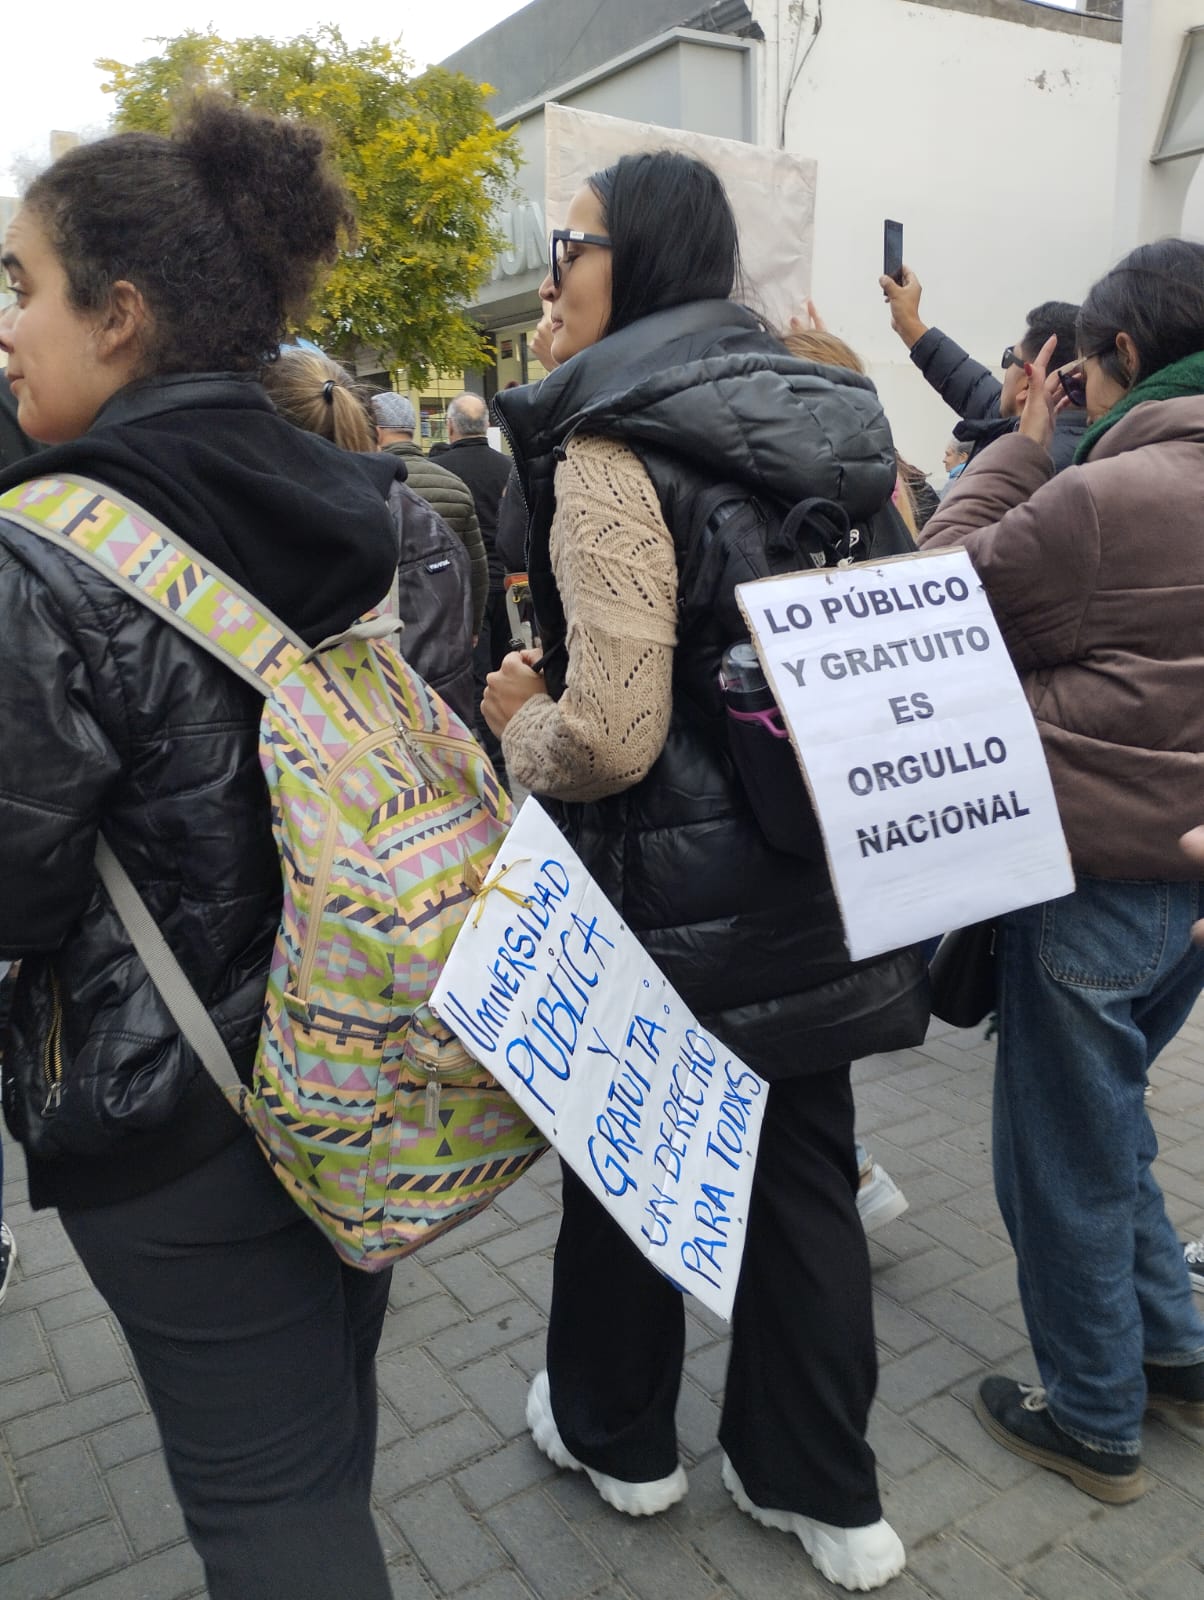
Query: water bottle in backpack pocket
{"points": [[765, 758]]}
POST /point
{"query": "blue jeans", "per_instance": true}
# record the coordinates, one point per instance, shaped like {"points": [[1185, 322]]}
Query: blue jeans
{"points": [[1091, 987]]}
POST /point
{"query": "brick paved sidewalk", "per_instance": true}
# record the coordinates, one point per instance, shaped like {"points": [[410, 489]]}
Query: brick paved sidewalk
{"points": [[468, 1508]]}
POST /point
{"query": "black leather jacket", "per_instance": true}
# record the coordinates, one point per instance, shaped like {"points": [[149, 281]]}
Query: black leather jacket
{"points": [[750, 937], [113, 720]]}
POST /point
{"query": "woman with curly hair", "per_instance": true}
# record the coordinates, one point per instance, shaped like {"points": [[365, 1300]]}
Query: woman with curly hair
{"points": [[154, 279]]}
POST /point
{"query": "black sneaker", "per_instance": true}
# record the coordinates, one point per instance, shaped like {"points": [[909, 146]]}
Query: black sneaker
{"points": [[1015, 1416], [8, 1258], [1176, 1391]]}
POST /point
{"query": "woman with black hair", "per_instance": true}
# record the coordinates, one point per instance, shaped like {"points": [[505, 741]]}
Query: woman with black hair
{"points": [[666, 388], [1097, 579], [154, 278]]}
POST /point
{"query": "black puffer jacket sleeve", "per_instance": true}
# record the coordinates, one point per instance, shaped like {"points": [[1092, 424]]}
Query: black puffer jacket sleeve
{"points": [[964, 384], [511, 542], [55, 668]]}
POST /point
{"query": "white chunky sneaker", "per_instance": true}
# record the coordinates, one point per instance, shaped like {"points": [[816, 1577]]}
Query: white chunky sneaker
{"points": [[8, 1258], [855, 1558], [879, 1198], [634, 1499]]}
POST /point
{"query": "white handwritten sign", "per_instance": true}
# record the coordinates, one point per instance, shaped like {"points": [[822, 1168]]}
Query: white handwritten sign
{"points": [[554, 995], [920, 752]]}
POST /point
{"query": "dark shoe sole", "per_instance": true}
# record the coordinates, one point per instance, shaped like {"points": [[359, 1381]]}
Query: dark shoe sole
{"points": [[1115, 1491], [1166, 1405]]}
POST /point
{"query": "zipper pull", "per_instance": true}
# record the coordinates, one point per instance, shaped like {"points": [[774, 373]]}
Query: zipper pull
{"points": [[432, 1105], [53, 1100]]}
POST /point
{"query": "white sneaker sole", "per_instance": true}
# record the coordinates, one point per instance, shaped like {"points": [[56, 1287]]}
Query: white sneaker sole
{"points": [[883, 1202], [632, 1499], [12, 1261], [879, 1558]]}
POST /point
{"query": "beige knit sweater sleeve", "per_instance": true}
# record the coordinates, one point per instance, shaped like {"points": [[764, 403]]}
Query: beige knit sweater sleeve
{"points": [[616, 569]]}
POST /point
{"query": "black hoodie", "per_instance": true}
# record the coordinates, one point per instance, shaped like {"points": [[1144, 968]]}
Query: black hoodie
{"points": [[292, 518], [112, 720]]}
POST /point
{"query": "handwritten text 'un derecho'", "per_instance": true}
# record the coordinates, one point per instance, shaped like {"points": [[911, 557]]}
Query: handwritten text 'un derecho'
{"points": [[944, 644], [544, 1047]]}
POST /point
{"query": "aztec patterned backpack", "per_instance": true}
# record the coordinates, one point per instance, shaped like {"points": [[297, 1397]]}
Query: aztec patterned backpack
{"points": [[387, 815]]}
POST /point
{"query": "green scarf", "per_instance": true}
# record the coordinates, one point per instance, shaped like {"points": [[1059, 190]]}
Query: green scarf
{"points": [[1168, 383]]}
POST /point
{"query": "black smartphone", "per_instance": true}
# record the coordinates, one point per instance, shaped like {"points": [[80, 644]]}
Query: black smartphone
{"points": [[892, 250]]}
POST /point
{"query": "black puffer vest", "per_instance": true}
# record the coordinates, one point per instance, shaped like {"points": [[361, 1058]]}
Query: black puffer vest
{"points": [[751, 938]]}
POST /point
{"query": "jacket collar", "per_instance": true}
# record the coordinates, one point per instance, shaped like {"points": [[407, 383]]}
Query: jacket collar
{"points": [[706, 384], [1153, 422], [183, 391]]}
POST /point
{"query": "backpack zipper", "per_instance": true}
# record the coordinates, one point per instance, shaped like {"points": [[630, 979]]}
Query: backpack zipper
{"points": [[52, 1052], [436, 1077]]}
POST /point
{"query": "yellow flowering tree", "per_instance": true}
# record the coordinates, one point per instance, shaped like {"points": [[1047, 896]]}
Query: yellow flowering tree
{"points": [[424, 162]]}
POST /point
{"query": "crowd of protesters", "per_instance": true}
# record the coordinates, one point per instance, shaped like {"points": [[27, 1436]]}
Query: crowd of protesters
{"points": [[148, 350]]}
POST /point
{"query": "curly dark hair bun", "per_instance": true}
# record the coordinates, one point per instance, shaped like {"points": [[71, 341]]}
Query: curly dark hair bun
{"points": [[224, 228]]}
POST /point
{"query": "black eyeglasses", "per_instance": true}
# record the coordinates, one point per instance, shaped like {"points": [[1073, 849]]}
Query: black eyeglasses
{"points": [[1011, 358], [562, 236], [1074, 384]]}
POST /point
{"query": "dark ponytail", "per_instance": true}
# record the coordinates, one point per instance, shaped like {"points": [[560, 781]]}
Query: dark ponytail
{"points": [[223, 228]]}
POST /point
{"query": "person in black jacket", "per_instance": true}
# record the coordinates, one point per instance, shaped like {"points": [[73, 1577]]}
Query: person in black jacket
{"points": [[486, 472], [150, 291], [988, 407], [665, 389]]}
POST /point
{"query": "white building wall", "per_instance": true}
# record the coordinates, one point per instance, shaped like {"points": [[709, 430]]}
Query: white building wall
{"points": [[993, 142], [1167, 198]]}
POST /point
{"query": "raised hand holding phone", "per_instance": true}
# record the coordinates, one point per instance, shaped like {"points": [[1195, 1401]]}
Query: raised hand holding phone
{"points": [[892, 250]]}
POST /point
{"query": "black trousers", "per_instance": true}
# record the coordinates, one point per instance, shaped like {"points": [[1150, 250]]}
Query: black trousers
{"points": [[256, 1347], [803, 1368]]}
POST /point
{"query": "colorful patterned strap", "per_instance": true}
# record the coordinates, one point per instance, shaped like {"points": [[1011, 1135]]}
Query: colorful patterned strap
{"points": [[139, 555]]}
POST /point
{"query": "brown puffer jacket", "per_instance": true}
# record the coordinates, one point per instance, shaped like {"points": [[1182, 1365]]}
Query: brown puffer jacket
{"points": [[1097, 579]]}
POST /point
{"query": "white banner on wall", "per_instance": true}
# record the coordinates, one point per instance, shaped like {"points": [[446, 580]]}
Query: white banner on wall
{"points": [[772, 194], [917, 744], [552, 993]]}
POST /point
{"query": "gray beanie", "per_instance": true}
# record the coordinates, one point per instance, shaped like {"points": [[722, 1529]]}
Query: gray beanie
{"points": [[394, 411]]}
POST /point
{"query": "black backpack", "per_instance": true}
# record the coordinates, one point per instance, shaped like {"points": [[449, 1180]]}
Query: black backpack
{"points": [[744, 538], [434, 600]]}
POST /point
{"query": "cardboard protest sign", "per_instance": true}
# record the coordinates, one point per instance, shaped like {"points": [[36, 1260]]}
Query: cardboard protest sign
{"points": [[772, 193], [917, 744], [553, 994]]}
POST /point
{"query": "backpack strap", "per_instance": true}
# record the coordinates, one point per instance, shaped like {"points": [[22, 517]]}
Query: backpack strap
{"points": [[181, 999], [820, 529], [137, 553]]}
